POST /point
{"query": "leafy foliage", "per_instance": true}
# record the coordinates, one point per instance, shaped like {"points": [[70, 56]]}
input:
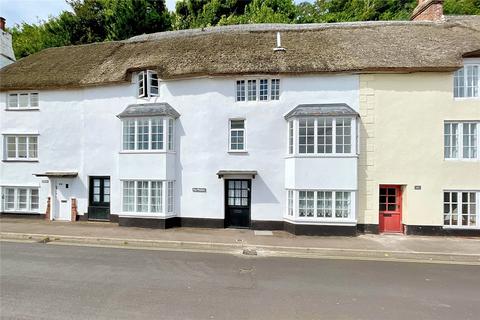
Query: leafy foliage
{"points": [[103, 20]]}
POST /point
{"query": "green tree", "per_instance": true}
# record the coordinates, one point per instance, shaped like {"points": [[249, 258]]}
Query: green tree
{"points": [[204, 13], [265, 11], [468, 7]]}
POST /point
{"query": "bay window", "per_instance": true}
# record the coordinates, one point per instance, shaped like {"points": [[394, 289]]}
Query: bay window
{"points": [[320, 205], [148, 197], [147, 82], [461, 140], [467, 81], [257, 90], [461, 209], [148, 134], [20, 199], [22, 100], [21, 147], [321, 136]]}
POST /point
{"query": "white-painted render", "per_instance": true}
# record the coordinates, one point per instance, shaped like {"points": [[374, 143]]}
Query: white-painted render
{"points": [[78, 131]]}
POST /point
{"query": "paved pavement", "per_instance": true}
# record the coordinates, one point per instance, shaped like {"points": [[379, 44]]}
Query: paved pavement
{"points": [[385, 247], [45, 281]]}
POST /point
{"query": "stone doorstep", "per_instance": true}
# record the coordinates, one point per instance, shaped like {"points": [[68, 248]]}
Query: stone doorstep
{"points": [[251, 250]]}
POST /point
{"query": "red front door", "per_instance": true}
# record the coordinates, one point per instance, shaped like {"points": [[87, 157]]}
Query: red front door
{"points": [[390, 209]]}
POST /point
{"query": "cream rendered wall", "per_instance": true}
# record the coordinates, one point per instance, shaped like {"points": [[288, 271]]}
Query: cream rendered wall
{"points": [[401, 142]]}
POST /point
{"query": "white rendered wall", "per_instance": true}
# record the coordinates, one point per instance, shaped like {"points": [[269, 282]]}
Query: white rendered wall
{"points": [[79, 131]]}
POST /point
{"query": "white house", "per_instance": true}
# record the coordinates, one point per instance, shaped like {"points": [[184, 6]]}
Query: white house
{"points": [[252, 126]]}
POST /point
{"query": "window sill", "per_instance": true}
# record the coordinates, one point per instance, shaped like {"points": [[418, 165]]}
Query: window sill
{"points": [[462, 159], [238, 151], [460, 228], [146, 152], [314, 221], [256, 101], [20, 160], [22, 109], [466, 98], [339, 155]]}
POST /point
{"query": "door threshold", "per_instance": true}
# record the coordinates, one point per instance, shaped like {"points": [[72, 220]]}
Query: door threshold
{"points": [[99, 220]]}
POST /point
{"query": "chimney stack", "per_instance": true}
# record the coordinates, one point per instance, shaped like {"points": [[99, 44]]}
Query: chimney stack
{"points": [[2, 23], [428, 10]]}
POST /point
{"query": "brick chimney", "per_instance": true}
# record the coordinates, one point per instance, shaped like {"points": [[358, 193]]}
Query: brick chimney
{"points": [[428, 10], [2, 23]]}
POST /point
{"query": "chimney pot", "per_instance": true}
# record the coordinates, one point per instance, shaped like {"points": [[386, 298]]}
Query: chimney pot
{"points": [[2, 23], [428, 10]]}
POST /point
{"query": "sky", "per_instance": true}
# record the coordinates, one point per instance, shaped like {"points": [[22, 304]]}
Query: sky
{"points": [[31, 11]]}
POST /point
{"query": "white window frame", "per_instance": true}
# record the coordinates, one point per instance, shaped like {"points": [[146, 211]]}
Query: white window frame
{"points": [[315, 218], [33, 101], [242, 89], [334, 153], [16, 199], [16, 137], [459, 140], [167, 198], [467, 64], [459, 209], [230, 131], [144, 81], [168, 135]]}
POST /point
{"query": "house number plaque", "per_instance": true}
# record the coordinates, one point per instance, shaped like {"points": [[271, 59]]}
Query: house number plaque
{"points": [[199, 189]]}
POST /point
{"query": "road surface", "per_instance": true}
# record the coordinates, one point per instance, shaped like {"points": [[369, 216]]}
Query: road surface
{"points": [[45, 281]]}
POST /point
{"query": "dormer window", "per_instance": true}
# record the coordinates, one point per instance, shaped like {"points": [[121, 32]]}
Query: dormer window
{"points": [[147, 84], [257, 90], [467, 80]]}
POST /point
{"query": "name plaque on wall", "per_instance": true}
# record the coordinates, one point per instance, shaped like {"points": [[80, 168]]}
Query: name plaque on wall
{"points": [[199, 189]]}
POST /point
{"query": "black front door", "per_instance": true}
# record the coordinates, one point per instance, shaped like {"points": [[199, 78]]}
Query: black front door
{"points": [[99, 198], [237, 201]]}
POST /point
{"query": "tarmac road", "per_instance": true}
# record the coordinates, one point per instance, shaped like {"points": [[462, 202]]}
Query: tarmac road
{"points": [[45, 281]]}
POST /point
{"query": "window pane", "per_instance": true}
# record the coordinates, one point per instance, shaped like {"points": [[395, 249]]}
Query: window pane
{"points": [[10, 199], [153, 82], [343, 135], [34, 199], [128, 196], [156, 196], [324, 135], [128, 134], [142, 134], [157, 134], [22, 147], [32, 148], [451, 140], [142, 196], [23, 100], [33, 99], [469, 140], [170, 197], [240, 94], [252, 90], [141, 86], [290, 137], [13, 100], [263, 89], [22, 199], [306, 136], [11, 147], [342, 204], [275, 94], [459, 83], [237, 135], [171, 129]]}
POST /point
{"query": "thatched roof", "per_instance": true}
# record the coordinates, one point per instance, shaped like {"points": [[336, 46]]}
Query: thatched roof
{"points": [[401, 46]]}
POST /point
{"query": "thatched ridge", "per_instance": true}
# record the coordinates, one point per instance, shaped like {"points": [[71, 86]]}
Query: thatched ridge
{"points": [[360, 47]]}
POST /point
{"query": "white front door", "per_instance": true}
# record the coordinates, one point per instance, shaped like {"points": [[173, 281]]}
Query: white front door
{"points": [[63, 205]]}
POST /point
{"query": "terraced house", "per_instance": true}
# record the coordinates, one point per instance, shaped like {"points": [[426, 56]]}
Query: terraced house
{"points": [[315, 129]]}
